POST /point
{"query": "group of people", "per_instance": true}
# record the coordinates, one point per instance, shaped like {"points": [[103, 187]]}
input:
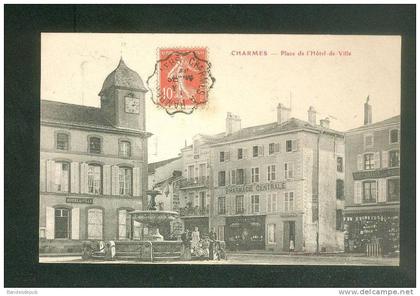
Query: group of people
{"points": [[206, 247]]}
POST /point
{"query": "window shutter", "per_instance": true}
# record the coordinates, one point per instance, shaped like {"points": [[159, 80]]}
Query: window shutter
{"points": [[115, 180], [136, 181], [83, 178], [381, 190], [263, 205], [247, 204], [50, 175], [291, 169], [384, 159], [295, 145], [49, 226], [232, 205], [75, 218], [377, 160], [227, 156], [42, 175], [74, 171], [244, 153], [277, 147], [107, 179], [196, 201], [357, 192], [359, 162]]}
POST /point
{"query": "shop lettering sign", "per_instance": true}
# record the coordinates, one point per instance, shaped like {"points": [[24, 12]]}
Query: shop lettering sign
{"points": [[79, 200], [256, 187], [376, 174]]}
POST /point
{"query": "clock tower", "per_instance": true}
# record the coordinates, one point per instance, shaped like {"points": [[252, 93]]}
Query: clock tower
{"points": [[122, 98]]}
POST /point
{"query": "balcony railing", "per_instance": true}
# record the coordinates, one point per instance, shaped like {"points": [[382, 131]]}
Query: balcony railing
{"points": [[194, 211], [194, 182]]}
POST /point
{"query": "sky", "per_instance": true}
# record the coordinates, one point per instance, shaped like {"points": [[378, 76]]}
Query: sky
{"points": [[74, 66]]}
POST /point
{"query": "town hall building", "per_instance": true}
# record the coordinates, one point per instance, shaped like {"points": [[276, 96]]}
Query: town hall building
{"points": [[93, 165]]}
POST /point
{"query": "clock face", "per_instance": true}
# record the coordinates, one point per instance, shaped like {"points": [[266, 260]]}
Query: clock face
{"points": [[132, 105]]}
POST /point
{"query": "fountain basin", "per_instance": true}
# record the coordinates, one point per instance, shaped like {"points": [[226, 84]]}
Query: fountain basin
{"points": [[153, 219]]}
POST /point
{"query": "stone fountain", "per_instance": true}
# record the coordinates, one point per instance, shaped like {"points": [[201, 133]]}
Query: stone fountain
{"points": [[152, 218]]}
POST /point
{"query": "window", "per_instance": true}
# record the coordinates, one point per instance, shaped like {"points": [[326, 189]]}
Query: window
{"points": [[222, 205], [240, 153], [125, 180], [202, 171], [95, 224], [288, 170], [271, 172], [239, 204], [62, 223], [255, 151], [272, 202], [394, 158], [368, 141], [393, 189], [62, 177], [270, 148], [339, 220], [271, 233], [273, 148], [292, 145], [255, 203], [95, 145], [94, 179], [233, 177], [339, 164], [255, 175], [240, 175], [339, 189], [62, 142], [369, 191], [222, 156], [122, 225], [125, 148], [222, 178], [289, 145], [369, 161], [288, 202], [394, 136]]}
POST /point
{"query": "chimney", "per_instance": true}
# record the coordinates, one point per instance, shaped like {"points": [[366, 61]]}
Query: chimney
{"points": [[283, 113], [325, 123], [312, 115], [233, 123], [368, 112]]}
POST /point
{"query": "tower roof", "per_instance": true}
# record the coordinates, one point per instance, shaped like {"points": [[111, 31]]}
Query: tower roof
{"points": [[123, 77]]}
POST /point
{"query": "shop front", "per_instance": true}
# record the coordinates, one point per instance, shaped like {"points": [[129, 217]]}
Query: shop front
{"points": [[245, 233], [380, 228]]}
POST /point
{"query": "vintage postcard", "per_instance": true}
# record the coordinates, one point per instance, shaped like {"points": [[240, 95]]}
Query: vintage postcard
{"points": [[220, 149]]}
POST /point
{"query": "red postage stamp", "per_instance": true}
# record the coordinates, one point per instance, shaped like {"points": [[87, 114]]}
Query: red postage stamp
{"points": [[183, 79]]}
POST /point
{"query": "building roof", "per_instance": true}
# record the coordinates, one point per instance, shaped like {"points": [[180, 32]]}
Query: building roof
{"points": [[391, 120], [293, 124], [154, 165], [73, 114], [123, 77]]}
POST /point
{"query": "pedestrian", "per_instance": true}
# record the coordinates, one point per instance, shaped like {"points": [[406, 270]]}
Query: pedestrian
{"points": [[212, 238], [195, 238], [186, 245], [291, 246]]}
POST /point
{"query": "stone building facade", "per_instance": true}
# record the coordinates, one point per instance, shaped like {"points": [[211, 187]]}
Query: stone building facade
{"points": [[373, 177], [260, 187], [93, 165]]}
